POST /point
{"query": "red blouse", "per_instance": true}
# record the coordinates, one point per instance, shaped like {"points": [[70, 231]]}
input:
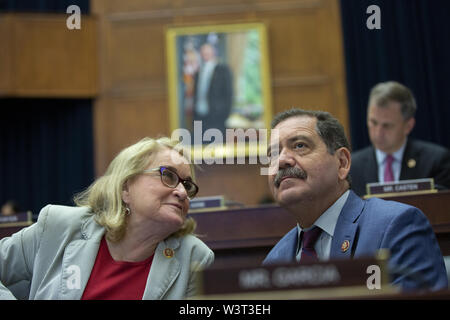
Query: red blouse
{"points": [[116, 280]]}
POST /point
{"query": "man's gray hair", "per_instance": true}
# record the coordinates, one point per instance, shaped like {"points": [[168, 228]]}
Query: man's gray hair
{"points": [[328, 128], [385, 92]]}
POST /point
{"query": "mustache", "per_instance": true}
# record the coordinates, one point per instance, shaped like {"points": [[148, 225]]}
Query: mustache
{"points": [[293, 172]]}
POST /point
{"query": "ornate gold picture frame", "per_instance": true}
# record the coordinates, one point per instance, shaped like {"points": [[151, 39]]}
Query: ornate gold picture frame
{"points": [[219, 81]]}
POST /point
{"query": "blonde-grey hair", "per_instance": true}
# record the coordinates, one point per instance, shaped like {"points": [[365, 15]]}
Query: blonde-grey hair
{"points": [[104, 196]]}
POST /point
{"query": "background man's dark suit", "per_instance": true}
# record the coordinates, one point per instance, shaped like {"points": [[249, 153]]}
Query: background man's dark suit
{"points": [[220, 98], [431, 161]]}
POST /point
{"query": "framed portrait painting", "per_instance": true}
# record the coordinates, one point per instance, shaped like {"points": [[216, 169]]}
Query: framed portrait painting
{"points": [[219, 86]]}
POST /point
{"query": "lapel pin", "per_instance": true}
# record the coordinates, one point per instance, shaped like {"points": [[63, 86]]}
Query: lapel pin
{"points": [[411, 163], [345, 245], [168, 253]]}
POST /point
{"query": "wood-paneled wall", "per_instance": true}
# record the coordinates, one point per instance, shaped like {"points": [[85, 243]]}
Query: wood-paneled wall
{"points": [[306, 61], [41, 57]]}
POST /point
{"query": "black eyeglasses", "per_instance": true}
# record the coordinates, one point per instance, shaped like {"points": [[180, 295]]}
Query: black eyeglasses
{"points": [[172, 179]]}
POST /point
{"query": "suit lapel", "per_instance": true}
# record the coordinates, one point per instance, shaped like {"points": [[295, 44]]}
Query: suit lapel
{"points": [[164, 270], [78, 261], [288, 246], [343, 243], [372, 167], [80, 255], [284, 250], [408, 172]]}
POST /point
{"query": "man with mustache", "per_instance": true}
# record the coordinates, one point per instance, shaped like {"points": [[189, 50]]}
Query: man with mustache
{"points": [[311, 160]]}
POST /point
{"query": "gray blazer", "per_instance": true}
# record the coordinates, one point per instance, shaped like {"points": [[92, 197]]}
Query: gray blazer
{"points": [[53, 259]]}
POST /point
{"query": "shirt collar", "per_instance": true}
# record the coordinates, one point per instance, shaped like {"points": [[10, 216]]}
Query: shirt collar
{"points": [[210, 64], [398, 155], [328, 220]]}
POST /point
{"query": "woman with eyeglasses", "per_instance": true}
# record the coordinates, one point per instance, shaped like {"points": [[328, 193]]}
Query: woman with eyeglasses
{"points": [[128, 238]]}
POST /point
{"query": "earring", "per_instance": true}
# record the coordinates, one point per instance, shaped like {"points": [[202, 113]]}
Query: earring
{"points": [[127, 211]]}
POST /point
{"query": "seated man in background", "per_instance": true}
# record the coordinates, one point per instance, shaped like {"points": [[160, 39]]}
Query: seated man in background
{"points": [[310, 158], [392, 156]]}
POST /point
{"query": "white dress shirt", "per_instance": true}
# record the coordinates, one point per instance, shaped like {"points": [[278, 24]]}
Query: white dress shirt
{"points": [[396, 164], [327, 222], [204, 80]]}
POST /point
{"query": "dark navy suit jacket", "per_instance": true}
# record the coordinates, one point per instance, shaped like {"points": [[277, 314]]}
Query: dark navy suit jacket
{"points": [[415, 258], [430, 161], [220, 98]]}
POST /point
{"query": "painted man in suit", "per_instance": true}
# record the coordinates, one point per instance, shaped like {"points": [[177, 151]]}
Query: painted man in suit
{"points": [[213, 97], [312, 160], [393, 156]]}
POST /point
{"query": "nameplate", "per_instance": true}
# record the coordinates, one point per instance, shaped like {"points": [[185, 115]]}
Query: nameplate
{"points": [[202, 203], [18, 219], [294, 276], [415, 186]]}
